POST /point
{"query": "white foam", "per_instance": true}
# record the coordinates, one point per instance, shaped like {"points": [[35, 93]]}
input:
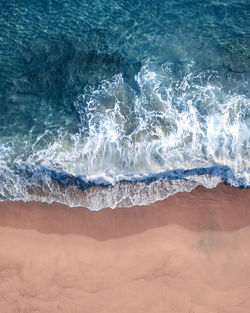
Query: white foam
{"points": [[172, 123]]}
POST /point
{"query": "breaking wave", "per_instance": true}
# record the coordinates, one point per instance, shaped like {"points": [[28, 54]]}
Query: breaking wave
{"points": [[174, 129]]}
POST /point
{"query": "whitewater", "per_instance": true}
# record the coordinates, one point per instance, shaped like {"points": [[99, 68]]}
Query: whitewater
{"points": [[174, 129]]}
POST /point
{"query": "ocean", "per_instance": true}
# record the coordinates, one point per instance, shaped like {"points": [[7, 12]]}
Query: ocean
{"points": [[122, 103]]}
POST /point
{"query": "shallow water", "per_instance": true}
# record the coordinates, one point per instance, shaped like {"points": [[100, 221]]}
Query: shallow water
{"points": [[142, 99]]}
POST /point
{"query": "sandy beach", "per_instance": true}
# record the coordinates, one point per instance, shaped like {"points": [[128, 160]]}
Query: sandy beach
{"points": [[187, 254]]}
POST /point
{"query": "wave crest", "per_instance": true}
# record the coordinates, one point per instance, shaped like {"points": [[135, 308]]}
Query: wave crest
{"points": [[174, 119]]}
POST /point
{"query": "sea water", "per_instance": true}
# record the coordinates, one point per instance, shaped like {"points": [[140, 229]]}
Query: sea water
{"points": [[118, 103]]}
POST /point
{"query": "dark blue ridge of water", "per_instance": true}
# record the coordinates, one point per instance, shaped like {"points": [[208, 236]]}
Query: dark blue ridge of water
{"points": [[37, 176]]}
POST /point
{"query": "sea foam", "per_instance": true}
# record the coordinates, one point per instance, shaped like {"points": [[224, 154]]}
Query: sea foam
{"points": [[179, 128]]}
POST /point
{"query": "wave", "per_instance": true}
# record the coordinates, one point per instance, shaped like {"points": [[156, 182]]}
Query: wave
{"points": [[175, 129]]}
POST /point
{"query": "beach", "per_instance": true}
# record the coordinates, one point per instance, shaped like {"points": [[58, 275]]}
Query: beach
{"points": [[124, 156], [189, 253]]}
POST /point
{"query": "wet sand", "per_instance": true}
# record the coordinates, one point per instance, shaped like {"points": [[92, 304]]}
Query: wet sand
{"points": [[187, 254]]}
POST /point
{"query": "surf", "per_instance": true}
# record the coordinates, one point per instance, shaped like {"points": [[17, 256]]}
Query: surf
{"points": [[179, 128]]}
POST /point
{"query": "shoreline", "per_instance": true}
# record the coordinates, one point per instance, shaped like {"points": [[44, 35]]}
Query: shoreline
{"points": [[188, 253], [198, 210]]}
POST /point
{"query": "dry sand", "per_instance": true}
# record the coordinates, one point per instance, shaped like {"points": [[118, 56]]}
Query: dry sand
{"points": [[187, 254]]}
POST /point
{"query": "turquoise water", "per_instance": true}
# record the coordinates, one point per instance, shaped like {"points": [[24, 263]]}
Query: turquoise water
{"points": [[116, 103]]}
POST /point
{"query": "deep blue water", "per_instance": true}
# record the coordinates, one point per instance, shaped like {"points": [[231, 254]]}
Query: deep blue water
{"points": [[141, 98]]}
